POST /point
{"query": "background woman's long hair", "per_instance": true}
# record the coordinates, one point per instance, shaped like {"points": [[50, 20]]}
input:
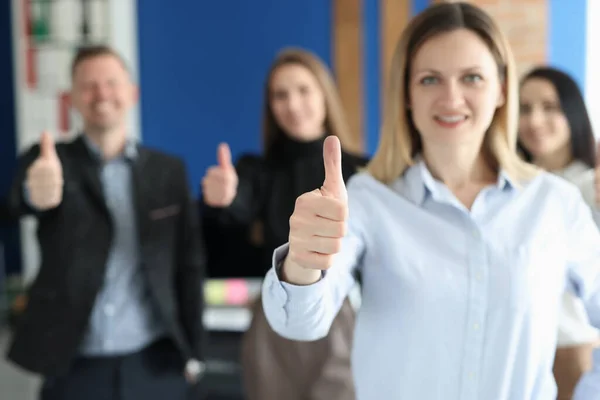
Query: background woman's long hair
{"points": [[335, 120]]}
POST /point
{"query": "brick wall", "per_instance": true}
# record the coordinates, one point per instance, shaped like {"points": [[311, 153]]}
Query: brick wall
{"points": [[525, 23]]}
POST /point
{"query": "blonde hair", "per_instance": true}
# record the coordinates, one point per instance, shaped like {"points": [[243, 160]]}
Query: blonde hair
{"points": [[335, 118], [400, 141]]}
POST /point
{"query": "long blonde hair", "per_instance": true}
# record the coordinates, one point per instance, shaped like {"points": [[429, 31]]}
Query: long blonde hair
{"points": [[335, 119], [399, 139]]}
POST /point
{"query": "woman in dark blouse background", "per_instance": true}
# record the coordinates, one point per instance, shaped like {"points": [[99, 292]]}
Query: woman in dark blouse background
{"points": [[255, 198]]}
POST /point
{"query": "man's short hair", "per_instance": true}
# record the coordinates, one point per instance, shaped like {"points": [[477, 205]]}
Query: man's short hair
{"points": [[87, 52]]}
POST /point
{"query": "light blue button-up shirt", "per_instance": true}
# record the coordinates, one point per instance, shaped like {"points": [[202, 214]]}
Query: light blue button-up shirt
{"points": [[457, 304], [125, 318]]}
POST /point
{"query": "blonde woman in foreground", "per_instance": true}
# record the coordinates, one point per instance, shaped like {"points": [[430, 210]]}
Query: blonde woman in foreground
{"points": [[463, 248]]}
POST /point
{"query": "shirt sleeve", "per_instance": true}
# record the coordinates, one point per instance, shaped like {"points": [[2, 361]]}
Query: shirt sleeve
{"points": [[586, 185], [584, 280], [306, 313]]}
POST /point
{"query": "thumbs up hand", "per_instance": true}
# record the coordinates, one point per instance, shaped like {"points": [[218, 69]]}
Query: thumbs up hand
{"points": [[318, 223], [44, 180], [219, 185]]}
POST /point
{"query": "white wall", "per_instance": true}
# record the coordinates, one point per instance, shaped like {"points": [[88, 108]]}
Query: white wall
{"points": [[123, 37], [37, 108], [592, 78]]}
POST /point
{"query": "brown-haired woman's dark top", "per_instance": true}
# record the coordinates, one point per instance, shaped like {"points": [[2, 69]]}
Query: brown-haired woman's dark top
{"points": [[243, 239], [243, 236]]}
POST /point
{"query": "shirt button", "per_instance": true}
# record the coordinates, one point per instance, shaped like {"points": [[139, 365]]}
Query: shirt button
{"points": [[478, 277], [109, 310], [476, 326]]}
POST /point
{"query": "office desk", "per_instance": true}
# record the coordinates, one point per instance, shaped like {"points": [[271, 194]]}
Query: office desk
{"points": [[226, 317]]}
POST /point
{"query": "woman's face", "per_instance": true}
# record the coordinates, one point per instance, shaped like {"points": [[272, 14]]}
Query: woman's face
{"points": [[454, 90], [297, 102], [543, 128]]}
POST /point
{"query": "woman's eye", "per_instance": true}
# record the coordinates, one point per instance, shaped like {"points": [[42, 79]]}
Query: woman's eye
{"points": [[429, 80], [473, 78]]}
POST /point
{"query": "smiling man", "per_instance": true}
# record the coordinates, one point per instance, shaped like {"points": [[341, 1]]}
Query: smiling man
{"points": [[115, 312]]}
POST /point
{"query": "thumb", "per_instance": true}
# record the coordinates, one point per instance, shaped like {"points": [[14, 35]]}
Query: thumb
{"points": [[224, 156], [47, 147], [334, 180]]}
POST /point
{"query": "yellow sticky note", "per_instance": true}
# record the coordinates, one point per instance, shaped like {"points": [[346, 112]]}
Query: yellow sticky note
{"points": [[215, 292]]}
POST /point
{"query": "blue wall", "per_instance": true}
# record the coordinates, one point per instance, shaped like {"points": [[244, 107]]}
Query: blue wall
{"points": [[203, 65], [9, 235], [372, 75], [419, 5], [567, 37]]}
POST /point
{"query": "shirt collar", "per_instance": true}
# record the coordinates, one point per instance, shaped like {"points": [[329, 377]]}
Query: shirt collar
{"points": [[129, 153], [418, 183]]}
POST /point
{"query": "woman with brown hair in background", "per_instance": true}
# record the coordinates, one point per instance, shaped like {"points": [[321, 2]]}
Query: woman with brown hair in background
{"points": [[301, 108]]}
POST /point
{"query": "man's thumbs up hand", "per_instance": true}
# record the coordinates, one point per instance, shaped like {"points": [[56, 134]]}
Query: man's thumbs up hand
{"points": [[45, 176]]}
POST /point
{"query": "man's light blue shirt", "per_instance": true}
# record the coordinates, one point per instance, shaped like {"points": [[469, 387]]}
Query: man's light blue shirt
{"points": [[456, 303], [125, 318]]}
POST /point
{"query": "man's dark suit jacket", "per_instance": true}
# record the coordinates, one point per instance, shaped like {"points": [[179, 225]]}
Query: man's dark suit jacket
{"points": [[75, 239]]}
